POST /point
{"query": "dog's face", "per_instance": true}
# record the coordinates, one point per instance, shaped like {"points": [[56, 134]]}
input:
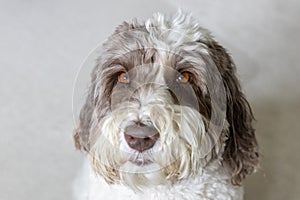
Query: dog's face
{"points": [[164, 102]]}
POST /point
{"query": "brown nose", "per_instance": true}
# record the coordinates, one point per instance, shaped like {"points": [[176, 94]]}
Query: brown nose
{"points": [[141, 137]]}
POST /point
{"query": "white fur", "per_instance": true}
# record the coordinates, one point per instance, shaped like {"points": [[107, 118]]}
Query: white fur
{"points": [[210, 184]]}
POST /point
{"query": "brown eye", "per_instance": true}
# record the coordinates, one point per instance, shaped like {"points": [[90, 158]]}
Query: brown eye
{"points": [[183, 78], [123, 78]]}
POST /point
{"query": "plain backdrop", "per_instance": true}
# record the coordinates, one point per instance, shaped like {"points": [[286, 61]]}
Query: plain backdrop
{"points": [[43, 44]]}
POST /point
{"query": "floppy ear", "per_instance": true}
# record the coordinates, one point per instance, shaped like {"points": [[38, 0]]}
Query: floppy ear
{"points": [[82, 132], [241, 150]]}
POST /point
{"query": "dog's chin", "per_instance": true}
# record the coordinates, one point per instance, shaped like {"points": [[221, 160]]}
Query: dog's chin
{"points": [[137, 175], [141, 162], [139, 167], [140, 159]]}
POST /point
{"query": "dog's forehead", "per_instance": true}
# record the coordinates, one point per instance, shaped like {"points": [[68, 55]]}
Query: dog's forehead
{"points": [[159, 39], [136, 47]]}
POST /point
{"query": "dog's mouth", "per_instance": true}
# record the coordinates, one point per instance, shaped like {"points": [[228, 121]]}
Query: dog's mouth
{"points": [[141, 162], [141, 159]]}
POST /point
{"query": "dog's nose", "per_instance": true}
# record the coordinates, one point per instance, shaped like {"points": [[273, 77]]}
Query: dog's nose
{"points": [[141, 137]]}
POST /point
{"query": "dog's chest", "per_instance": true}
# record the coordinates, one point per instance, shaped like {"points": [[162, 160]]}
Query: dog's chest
{"points": [[211, 184]]}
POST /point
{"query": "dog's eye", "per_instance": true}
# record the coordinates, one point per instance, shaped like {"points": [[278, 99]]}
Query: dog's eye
{"points": [[123, 78], [183, 78]]}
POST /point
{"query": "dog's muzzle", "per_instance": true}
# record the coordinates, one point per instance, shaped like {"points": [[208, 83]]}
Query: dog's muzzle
{"points": [[141, 137]]}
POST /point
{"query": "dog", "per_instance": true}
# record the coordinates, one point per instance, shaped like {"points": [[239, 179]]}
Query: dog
{"points": [[165, 116]]}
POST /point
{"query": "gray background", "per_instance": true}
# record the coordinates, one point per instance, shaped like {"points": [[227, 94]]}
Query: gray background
{"points": [[43, 43]]}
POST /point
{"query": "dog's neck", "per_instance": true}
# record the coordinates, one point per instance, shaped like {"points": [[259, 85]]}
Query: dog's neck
{"points": [[213, 182]]}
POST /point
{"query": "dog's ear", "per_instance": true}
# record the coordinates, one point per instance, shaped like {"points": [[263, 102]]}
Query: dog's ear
{"points": [[241, 150], [82, 132]]}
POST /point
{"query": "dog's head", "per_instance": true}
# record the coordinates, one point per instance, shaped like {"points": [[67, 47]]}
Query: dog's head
{"points": [[165, 101]]}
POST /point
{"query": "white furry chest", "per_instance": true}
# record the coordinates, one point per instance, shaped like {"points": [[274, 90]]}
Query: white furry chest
{"points": [[212, 184]]}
